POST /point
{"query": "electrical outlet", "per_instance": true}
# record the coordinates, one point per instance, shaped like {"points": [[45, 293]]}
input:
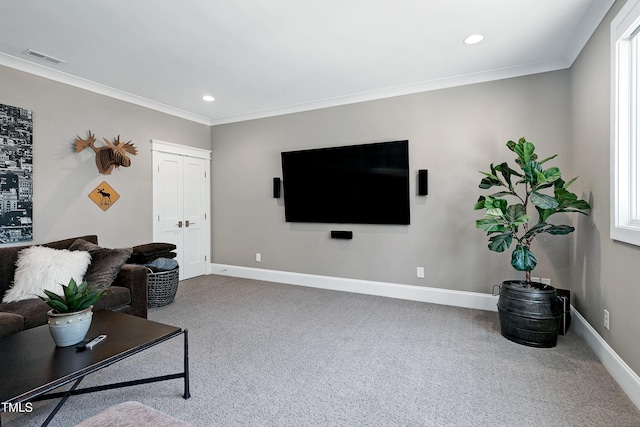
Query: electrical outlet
{"points": [[420, 272], [258, 257], [606, 320]]}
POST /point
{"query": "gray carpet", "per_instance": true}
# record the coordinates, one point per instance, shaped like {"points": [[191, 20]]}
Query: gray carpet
{"points": [[266, 354]]}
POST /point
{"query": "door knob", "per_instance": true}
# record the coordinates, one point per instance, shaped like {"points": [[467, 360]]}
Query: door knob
{"points": [[179, 224], [187, 223]]}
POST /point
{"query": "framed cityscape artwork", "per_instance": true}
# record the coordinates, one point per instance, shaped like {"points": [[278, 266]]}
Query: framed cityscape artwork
{"points": [[16, 174]]}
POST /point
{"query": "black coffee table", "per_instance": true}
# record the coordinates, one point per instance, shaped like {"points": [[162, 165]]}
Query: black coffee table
{"points": [[31, 366]]}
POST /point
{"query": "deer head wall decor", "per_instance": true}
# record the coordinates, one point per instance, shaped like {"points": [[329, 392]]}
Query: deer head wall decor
{"points": [[109, 156]]}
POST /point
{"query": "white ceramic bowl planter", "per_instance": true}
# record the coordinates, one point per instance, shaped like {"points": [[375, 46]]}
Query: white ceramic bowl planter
{"points": [[69, 328]]}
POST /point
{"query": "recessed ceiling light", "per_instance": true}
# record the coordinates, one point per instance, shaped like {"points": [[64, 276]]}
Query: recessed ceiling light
{"points": [[474, 39], [208, 98]]}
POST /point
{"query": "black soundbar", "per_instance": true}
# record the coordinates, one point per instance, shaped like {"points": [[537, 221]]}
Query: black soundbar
{"points": [[335, 234]]}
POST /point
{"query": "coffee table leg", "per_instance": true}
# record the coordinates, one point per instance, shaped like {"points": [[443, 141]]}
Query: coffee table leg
{"points": [[187, 393], [59, 405]]}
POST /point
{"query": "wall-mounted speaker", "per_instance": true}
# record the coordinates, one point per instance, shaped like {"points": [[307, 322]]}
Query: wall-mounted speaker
{"points": [[423, 182], [337, 234], [276, 188]]}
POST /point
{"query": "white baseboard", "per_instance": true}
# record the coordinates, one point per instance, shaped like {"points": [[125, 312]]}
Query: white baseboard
{"points": [[392, 290], [619, 370], [626, 378]]}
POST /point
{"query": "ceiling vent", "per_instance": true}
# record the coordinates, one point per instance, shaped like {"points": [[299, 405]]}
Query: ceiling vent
{"points": [[42, 56]]}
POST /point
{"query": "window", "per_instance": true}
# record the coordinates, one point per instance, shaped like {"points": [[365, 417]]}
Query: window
{"points": [[625, 124]]}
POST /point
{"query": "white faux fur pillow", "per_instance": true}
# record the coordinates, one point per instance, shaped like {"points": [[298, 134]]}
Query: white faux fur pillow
{"points": [[39, 268]]}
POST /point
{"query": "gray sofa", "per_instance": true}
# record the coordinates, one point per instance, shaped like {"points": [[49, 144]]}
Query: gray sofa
{"points": [[127, 293]]}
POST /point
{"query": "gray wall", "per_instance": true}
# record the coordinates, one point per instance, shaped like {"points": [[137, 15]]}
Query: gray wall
{"points": [[64, 179], [454, 133], [605, 272]]}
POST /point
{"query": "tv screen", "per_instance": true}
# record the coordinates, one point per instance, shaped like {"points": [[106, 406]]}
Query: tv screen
{"points": [[358, 184]]}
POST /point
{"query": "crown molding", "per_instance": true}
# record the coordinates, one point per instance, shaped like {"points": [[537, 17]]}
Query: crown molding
{"points": [[62, 77], [426, 86], [481, 77], [590, 22]]}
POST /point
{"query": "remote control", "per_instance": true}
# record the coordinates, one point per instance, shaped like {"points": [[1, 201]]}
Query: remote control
{"points": [[97, 340]]}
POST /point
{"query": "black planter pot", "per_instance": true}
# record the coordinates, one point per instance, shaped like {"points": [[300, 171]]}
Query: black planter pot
{"points": [[529, 315]]}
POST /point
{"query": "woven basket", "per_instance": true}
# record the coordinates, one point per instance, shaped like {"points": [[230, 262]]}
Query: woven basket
{"points": [[162, 287]]}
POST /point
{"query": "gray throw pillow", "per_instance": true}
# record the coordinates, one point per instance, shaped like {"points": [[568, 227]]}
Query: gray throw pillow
{"points": [[105, 263]]}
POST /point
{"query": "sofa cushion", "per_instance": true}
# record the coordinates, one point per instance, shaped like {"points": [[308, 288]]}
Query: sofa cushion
{"points": [[9, 256], [65, 243], [39, 268], [148, 252], [113, 297], [105, 263], [34, 311], [10, 323], [149, 249]]}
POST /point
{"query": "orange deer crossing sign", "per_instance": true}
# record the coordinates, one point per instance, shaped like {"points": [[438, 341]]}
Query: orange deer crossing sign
{"points": [[104, 196]]}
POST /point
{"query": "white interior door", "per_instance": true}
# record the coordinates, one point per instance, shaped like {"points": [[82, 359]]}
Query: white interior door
{"points": [[195, 232], [181, 204], [168, 199]]}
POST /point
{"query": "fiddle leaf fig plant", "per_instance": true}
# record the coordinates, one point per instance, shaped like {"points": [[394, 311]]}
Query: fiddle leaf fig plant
{"points": [[507, 219]]}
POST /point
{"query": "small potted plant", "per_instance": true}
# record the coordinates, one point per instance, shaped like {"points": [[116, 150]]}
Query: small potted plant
{"points": [[71, 313], [529, 312]]}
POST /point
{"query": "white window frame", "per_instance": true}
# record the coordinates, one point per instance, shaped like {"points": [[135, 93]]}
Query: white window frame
{"points": [[625, 124]]}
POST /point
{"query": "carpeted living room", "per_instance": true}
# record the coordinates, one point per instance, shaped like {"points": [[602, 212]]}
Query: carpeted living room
{"points": [[264, 353], [369, 292]]}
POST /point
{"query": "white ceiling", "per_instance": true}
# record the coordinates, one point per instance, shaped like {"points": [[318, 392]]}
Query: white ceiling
{"points": [[260, 58]]}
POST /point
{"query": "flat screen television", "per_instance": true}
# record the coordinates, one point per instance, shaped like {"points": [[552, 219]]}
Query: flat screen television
{"points": [[357, 184]]}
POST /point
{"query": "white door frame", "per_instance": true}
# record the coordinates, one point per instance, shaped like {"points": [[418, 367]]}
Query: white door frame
{"points": [[183, 150]]}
